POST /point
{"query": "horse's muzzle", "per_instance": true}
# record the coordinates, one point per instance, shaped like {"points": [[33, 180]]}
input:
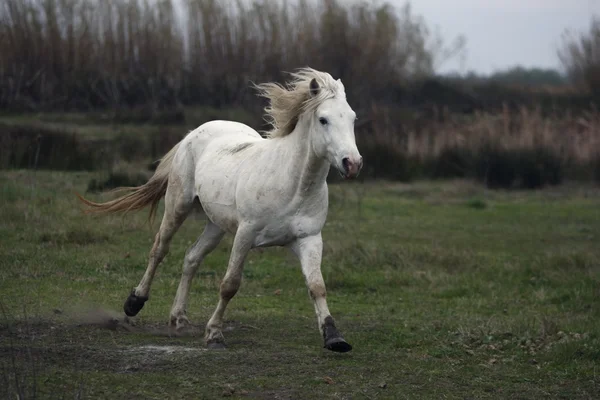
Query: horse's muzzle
{"points": [[352, 167]]}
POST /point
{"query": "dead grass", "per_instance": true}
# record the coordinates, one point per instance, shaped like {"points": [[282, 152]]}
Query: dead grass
{"points": [[524, 148]]}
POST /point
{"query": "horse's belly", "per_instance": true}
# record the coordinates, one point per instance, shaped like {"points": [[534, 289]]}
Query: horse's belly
{"points": [[273, 237], [287, 230], [224, 216]]}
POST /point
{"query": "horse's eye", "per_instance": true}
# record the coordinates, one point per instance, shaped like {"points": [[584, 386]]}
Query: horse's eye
{"points": [[323, 121]]}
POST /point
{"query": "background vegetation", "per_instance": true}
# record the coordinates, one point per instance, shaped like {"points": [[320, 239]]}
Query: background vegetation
{"points": [[133, 62]]}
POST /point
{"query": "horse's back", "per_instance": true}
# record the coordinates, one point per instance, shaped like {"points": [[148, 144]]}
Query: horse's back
{"points": [[219, 128]]}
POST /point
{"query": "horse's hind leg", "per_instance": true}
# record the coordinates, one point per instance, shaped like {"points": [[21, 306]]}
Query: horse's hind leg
{"points": [[178, 204], [206, 243], [242, 243]]}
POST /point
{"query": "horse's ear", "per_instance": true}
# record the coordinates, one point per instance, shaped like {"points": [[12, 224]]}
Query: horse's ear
{"points": [[314, 87]]}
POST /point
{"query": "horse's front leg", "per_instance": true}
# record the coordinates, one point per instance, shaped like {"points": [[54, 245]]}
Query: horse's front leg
{"points": [[309, 250]]}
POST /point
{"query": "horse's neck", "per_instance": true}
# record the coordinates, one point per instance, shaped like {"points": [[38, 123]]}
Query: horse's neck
{"points": [[307, 171]]}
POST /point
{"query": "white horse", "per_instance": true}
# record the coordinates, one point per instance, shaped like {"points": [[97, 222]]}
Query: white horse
{"points": [[266, 191]]}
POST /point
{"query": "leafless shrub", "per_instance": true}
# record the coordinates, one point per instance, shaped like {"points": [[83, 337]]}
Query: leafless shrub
{"points": [[580, 56]]}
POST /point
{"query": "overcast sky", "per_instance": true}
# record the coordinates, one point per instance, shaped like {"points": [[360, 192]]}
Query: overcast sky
{"points": [[504, 33]]}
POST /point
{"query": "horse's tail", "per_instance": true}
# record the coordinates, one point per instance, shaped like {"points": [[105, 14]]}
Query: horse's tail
{"points": [[138, 197]]}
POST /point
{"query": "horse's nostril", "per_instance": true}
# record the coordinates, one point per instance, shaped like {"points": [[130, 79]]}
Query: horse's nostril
{"points": [[346, 163]]}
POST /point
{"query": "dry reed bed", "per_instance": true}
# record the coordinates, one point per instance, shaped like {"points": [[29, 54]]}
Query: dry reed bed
{"points": [[522, 147], [85, 54], [572, 138]]}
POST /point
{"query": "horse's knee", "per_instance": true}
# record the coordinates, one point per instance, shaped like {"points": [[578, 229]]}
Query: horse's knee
{"points": [[229, 287], [317, 290], [190, 263]]}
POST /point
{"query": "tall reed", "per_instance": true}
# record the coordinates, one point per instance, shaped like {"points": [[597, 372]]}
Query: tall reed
{"points": [[521, 147]]}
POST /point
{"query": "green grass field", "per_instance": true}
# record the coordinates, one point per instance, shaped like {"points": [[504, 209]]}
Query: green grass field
{"points": [[445, 290]]}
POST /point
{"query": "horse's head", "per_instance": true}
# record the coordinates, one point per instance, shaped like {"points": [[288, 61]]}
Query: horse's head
{"points": [[332, 128], [319, 102]]}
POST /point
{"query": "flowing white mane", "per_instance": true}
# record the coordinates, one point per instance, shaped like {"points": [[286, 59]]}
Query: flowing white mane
{"points": [[287, 103]]}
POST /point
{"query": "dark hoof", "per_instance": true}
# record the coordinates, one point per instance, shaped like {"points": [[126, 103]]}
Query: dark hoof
{"points": [[134, 304], [215, 346], [338, 345]]}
